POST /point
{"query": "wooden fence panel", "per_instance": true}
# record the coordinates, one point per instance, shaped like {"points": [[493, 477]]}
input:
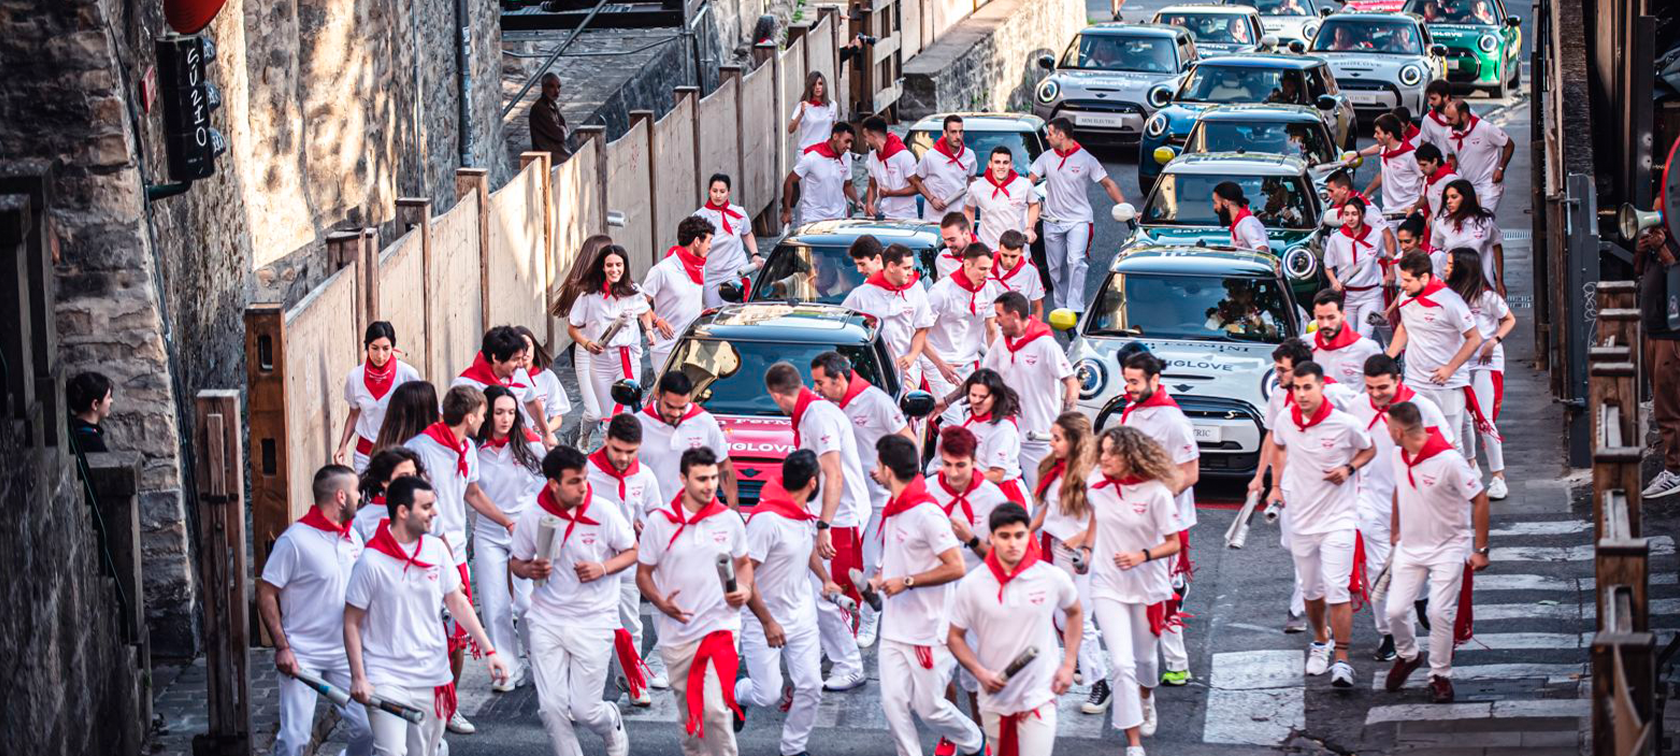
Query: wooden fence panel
{"points": [[457, 325], [628, 191], [719, 150], [793, 86], [402, 276], [320, 349], [757, 134], [676, 194], [819, 56], [517, 271]]}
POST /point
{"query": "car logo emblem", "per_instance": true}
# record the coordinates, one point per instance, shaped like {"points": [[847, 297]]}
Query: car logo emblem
{"points": [[749, 473], [1182, 387]]}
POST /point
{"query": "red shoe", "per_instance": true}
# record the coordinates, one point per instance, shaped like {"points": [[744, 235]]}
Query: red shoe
{"points": [[945, 748], [1401, 670], [1440, 690]]}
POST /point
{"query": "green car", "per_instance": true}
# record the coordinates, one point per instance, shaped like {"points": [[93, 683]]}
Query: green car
{"points": [[1484, 43]]}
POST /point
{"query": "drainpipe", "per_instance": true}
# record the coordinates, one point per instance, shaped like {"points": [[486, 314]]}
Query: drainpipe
{"points": [[463, 68]]}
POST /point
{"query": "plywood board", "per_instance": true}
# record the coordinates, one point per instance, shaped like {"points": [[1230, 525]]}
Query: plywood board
{"points": [[677, 194], [517, 273], [793, 86], [321, 348], [456, 326], [757, 135], [719, 152], [628, 191], [402, 277]]}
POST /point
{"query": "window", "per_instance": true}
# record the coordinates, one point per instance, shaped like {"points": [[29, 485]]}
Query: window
{"points": [[1024, 145], [1113, 52], [1217, 28], [1187, 200], [1190, 307], [1277, 7], [1348, 34], [823, 274], [1305, 140], [1455, 11], [1238, 84], [729, 375]]}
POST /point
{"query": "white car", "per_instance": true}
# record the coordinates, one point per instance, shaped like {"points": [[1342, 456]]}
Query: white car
{"points": [[1381, 60], [1289, 20], [1103, 80], [1219, 29]]}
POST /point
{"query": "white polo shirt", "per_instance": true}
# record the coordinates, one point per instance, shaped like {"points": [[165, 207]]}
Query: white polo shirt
{"points": [[1172, 429], [1316, 505], [873, 414], [782, 576], [729, 246], [1059, 525], [311, 567], [818, 123], [822, 182], [689, 564], [1130, 518], [1376, 480], [893, 174], [676, 298], [450, 486], [1064, 199], [824, 428], [1250, 234], [663, 446], [1479, 149], [1480, 234], [641, 490], [982, 496], [1435, 506], [947, 178], [545, 387], [1354, 259], [1433, 335], [959, 321], [357, 395], [1345, 362], [913, 541], [1035, 371], [592, 313], [1402, 179], [1341, 396], [562, 599], [1487, 311], [1001, 628], [1436, 130], [511, 486], [1432, 190], [1000, 444], [1023, 278], [901, 313], [403, 642], [1002, 208]]}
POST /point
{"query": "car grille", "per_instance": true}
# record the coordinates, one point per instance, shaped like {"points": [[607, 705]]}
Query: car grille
{"points": [[1463, 66], [1225, 457], [1102, 106], [749, 489]]}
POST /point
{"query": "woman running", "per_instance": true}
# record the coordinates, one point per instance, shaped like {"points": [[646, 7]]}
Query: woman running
{"points": [[581, 358], [368, 389], [1062, 518], [510, 474], [383, 467], [1486, 391], [1463, 222], [604, 322]]}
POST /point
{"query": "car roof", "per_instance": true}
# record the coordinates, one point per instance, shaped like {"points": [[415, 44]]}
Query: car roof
{"points": [[1125, 27], [1208, 8], [1197, 260], [1262, 60], [983, 121], [797, 323], [1243, 163], [1378, 15], [831, 233], [1262, 112]]}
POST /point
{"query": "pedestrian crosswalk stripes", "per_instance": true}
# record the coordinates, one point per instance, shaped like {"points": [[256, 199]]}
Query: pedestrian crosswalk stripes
{"points": [[1523, 641], [1257, 697], [1540, 527], [1540, 708], [1660, 546], [1553, 674]]}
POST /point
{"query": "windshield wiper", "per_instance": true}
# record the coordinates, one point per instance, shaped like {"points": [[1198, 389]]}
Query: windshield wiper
{"points": [[1128, 332]]}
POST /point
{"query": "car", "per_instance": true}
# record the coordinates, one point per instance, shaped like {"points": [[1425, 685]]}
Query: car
{"points": [[1213, 314], [1381, 60], [1293, 130], [726, 351], [1484, 44], [1104, 77], [1022, 133], [812, 264], [1219, 29], [1237, 79], [1288, 20], [1179, 210]]}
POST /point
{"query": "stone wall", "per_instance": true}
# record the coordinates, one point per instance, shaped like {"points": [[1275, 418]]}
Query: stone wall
{"points": [[986, 61]]}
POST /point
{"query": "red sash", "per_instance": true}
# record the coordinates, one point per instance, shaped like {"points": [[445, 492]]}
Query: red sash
{"points": [[718, 648]]}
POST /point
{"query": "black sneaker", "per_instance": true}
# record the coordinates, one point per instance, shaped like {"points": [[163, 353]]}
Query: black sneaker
{"points": [[1098, 701], [1421, 606], [1295, 623], [1385, 652], [741, 718]]}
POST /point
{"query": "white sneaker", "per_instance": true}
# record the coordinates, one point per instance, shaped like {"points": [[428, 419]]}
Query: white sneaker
{"points": [[869, 625], [656, 672], [1667, 482], [1147, 729], [1134, 750], [844, 681], [459, 725], [508, 684], [1341, 675], [618, 742], [643, 700], [1497, 489], [1318, 657]]}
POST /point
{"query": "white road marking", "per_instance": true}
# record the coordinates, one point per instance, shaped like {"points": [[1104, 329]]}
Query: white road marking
{"points": [[1587, 583], [1540, 708], [1490, 581], [1256, 697], [1541, 527], [1553, 674], [1524, 641], [1531, 611], [1660, 546]]}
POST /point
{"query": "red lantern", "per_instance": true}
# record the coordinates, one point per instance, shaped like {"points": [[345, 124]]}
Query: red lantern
{"points": [[190, 16]]}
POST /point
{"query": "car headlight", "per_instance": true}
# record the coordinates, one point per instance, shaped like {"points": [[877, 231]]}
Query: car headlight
{"points": [[1157, 125], [1309, 31], [1159, 96], [1411, 74], [1299, 262], [1047, 91], [1092, 377], [1267, 383], [1488, 42]]}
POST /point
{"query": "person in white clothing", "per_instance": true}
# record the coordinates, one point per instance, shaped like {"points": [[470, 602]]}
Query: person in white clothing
{"points": [[894, 294], [816, 112], [675, 287], [1012, 270], [1481, 150], [962, 490], [1134, 529], [1494, 321], [1007, 609], [956, 230], [1337, 347], [582, 361], [1413, 237], [673, 424], [683, 549], [920, 561], [1247, 232], [1068, 223], [1032, 363], [1320, 450], [397, 649], [385, 466], [1437, 174], [962, 322], [822, 180], [510, 475], [1464, 222], [616, 476], [1401, 179], [1437, 127], [1438, 335], [734, 248], [1356, 267], [1061, 513], [1434, 541], [574, 610], [368, 390], [301, 601], [781, 625], [991, 415], [607, 322], [1004, 200], [1339, 185], [946, 171], [501, 359], [546, 389], [893, 183]]}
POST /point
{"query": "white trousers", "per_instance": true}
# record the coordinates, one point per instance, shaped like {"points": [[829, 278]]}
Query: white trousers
{"points": [[297, 714], [1359, 304], [609, 367], [872, 534], [1173, 654], [1297, 602], [1035, 735], [1488, 196], [395, 736], [762, 686], [718, 719], [1032, 452], [941, 388], [1451, 402], [583, 365], [1445, 576], [358, 460], [1093, 663], [1131, 657], [834, 633], [571, 670], [1481, 381], [1066, 247], [1325, 563], [630, 607], [1374, 515], [501, 596], [909, 688], [657, 357]]}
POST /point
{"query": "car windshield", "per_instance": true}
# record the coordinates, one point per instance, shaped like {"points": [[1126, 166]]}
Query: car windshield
{"points": [[1194, 308], [1306, 140], [1235, 84], [1454, 11], [728, 376], [1187, 200], [1218, 28], [805, 273], [1115, 52], [1024, 145], [1395, 37], [1277, 7]]}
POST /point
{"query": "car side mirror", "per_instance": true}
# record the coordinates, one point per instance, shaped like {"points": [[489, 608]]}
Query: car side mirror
{"points": [[1046, 62], [1513, 21], [1296, 47], [1438, 50], [1164, 154], [1124, 212], [730, 292], [1326, 102], [1352, 159], [1324, 12], [627, 393], [917, 404], [1332, 218], [1063, 319]]}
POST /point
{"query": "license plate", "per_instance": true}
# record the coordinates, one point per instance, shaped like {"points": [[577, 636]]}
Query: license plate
{"points": [[1209, 434], [1099, 120], [1364, 99]]}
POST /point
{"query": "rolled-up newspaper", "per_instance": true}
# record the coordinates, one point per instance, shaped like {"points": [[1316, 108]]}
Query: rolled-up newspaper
{"points": [[1273, 511], [337, 695], [546, 528], [612, 330], [1379, 586], [843, 601], [726, 572], [1237, 534], [1026, 657], [413, 715], [1079, 565], [869, 595]]}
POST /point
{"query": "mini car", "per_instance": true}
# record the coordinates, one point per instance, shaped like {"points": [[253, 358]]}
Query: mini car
{"points": [[1292, 130], [1237, 79], [1213, 314], [1280, 192], [1219, 29], [1023, 134], [1103, 79], [812, 265], [1381, 60], [726, 351], [1484, 44], [1288, 20]]}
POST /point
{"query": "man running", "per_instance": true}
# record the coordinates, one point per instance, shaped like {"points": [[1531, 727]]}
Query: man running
{"points": [[1438, 334], [1032, 363], [1003, 199], [1337, 346], [893, 183], [963, 323], [675, 286], [616, 476], [1481, 151], [895, 296], [1013, 271], [1247, 232], [1068, 222], [671, 425], [822, 180], [499, 362], [945, 171], [1401, 178]]}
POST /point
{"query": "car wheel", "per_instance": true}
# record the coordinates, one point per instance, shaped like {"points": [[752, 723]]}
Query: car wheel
{"points": [[1516, 75]]}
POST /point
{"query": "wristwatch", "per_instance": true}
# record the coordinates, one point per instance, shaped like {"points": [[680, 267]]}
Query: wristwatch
{"points": [[824, 525], [973, 542], [909, 582], [1483, 551]]}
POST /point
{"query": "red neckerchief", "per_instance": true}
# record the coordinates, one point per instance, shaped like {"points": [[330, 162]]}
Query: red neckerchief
{"points": [[806, 396], [480, 372], [1458, 136], [856, 385], [1318, 417], [1001, 186], [724, 213], [914, 493], [1411, 132], [1344, 338], [1440, 173], [879, 278], [960, 278], [385, 543], [1402, 393], [693, 410], [573, 517], [1065, 154], [313, 518], [944, 148], [1109, 480], [599, 457], [1035, 329], [817, 103], [446, 438], [1002, 275], [1422, 297], [892, 147], [1242, 212], [1405, 147], [675, 514], [1364, 231], [498, 443], [1362, 198], [1048, 477], [1436, 117], [973, 418], [1435, 445], [1159, 398], [379, 380], [1027, 561], [775, 499], [960, 498], [824, 149], [694, 266]]}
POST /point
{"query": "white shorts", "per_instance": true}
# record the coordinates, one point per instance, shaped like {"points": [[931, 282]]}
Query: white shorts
{"points": [[1324, 562]]}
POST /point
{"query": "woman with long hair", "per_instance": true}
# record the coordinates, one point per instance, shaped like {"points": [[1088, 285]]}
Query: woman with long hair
{"points": [[603, 322], [510, 475], [1134, 529], [814, 116], [1352, 261], [545, 385], [993, 408], [368, 390], [1062, 517], [1463, 222], [733, 245], [413, 407], [1495, 321], [383, 467], [581, 358]]}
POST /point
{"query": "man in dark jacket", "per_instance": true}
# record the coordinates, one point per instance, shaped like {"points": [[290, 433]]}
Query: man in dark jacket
{"points": [[1659, 312], [548, 127]]}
